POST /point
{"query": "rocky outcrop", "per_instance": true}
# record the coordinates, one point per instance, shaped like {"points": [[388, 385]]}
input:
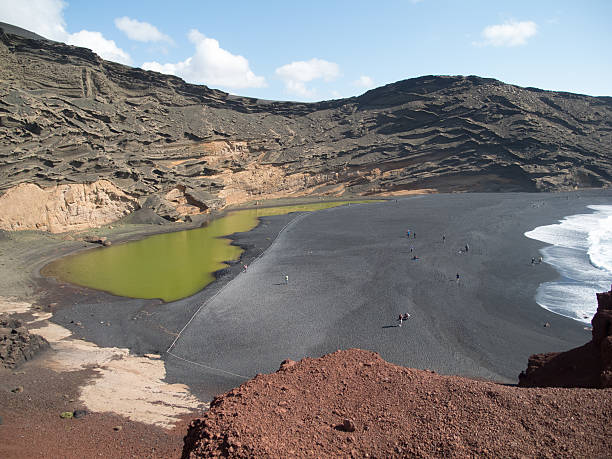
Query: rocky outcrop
{"points": [[16, 343], [354, 404], [178, 203], [64, 207], [67, 116], [586, 366], [602, 336]]}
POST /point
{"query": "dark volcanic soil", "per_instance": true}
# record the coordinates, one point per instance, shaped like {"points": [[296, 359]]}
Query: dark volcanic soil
{"points": [[308, 409]]}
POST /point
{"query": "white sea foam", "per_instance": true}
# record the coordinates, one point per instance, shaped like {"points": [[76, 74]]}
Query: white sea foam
{"points": [[581, 250]]}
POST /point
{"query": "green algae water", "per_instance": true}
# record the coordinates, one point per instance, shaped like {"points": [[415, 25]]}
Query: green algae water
{"points": [[169, 266]]}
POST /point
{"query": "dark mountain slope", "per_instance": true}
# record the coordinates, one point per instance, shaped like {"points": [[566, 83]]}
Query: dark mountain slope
{"points": [[67, 116], [14, 30]]}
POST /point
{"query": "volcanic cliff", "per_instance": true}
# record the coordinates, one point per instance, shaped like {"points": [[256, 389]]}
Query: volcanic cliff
{"points": [[143, 139], [585, 366]]}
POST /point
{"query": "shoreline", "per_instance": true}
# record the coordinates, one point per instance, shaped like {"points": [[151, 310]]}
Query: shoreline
{"points": [[573, 260]]}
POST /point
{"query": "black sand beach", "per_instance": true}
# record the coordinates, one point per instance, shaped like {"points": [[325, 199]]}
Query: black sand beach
{"points": [[350, 274]]}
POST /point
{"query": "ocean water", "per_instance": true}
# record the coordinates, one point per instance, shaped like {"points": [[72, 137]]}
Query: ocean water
{"points": [[581, 250]]}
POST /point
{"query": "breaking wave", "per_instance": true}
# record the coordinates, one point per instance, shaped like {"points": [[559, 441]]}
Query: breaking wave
{"points": [[581, 250]]}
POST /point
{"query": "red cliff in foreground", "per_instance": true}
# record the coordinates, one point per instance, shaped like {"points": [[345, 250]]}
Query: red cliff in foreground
{"points": [[585, 366], [354, 404]]}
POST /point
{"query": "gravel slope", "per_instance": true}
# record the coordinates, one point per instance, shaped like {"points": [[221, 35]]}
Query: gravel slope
{"points": [[302, 411]]}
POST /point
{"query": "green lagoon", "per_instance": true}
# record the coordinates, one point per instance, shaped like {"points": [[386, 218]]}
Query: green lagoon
{"points": [[169, 266]]}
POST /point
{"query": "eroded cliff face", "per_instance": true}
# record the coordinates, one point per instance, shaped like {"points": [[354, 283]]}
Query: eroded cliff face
{"points": [[64, 207], [67, 116]]}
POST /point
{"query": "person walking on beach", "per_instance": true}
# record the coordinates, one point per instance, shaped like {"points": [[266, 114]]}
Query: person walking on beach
{"points": [[467, 247], [457, 277], [244, 268], [286, 280], [400, 318], [443, 239], [532, 260], [408, 234]]}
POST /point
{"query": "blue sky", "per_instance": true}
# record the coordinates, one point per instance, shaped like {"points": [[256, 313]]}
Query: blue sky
{"points": [[320, 50]]}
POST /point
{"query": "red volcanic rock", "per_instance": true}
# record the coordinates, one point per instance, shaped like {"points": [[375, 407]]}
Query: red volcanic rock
{"points": [[354, 404], [287, 363], [586, 366], [347, 425]]}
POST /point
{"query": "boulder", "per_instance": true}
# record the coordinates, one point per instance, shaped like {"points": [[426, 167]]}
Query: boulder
{"points": [[17, 344], [95, 239], [347, 426], [287, 363], [162, 207]]}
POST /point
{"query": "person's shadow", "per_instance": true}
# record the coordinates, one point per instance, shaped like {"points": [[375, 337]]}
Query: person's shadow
{"points": [[390, 326]]}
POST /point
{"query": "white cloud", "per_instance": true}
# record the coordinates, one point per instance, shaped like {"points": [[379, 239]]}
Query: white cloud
{"points": [[297, 74], [140, 31], [364, 81], [46, 18], [511, 33], [43, 17], [106, 49], [211, 65]]}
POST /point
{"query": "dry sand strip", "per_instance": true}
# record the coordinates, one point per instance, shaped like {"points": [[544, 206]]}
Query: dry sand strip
{"points": [[351, 273]]}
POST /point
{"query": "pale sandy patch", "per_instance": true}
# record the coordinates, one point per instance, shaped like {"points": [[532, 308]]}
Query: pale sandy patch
{"points": [[133, 387], [39, 317], [10, 306], [408, 192], [13, 307], [50, 331], [127, 385], [338, 190]]}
